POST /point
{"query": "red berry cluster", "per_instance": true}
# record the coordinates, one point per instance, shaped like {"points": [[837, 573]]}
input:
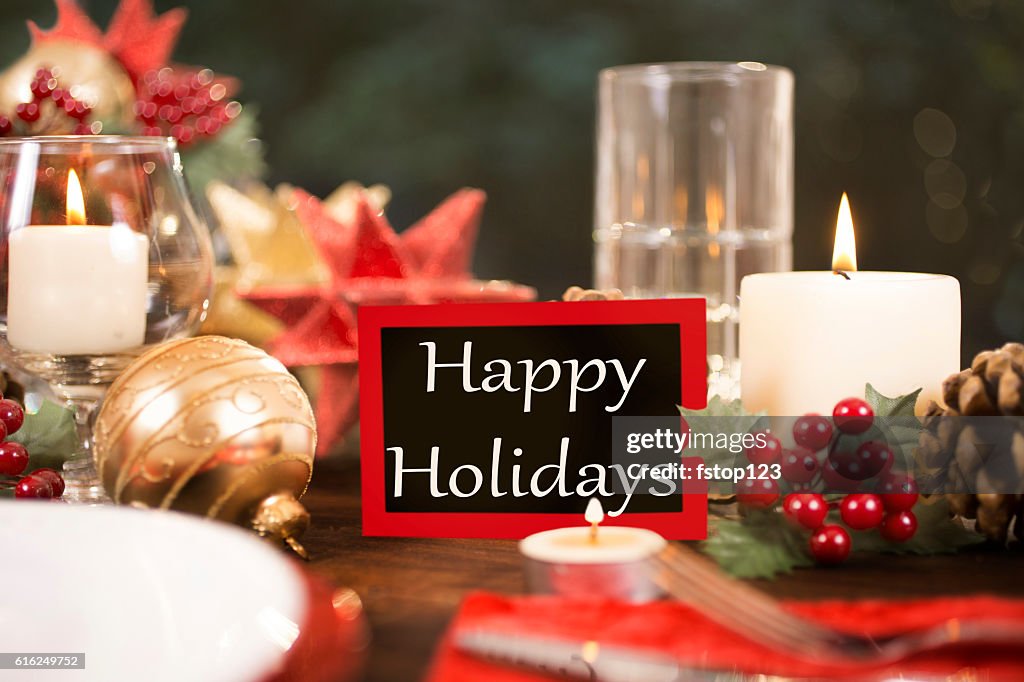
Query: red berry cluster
{"points": [[845, 468], [50, 103], [41, 483], [185, 105]]}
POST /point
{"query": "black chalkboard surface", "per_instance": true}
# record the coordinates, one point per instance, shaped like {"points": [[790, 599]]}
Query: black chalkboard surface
{"points": [[493, 419]]}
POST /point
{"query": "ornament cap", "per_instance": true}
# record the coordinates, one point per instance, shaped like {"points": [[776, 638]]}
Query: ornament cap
{"points": [[282, 518]]}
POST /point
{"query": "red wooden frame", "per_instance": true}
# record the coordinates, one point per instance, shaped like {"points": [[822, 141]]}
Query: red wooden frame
{"points": [[689, 314]]}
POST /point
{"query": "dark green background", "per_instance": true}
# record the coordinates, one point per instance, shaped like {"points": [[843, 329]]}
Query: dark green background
{"points": [[430, 96]]}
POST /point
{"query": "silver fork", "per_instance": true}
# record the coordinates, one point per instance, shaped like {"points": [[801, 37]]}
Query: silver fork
{"points": [[747, 611]]}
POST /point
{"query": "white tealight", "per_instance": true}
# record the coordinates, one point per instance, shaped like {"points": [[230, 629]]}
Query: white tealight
{"points": [[614, 545]]}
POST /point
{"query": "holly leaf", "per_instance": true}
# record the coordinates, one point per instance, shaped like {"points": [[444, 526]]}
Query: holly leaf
{"points": [[760, 545], [723, 416], [937, 533], [49, 435], [884, 406]]}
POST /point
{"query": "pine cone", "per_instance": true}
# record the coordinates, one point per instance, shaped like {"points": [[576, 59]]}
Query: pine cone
{"points": [[581, 294], [993, 385]]}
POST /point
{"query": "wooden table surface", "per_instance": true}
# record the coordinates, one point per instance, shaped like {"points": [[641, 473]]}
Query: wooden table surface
{"points": [[412, 587]]}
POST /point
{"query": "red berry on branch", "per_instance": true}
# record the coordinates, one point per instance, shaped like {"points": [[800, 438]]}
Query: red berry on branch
{"points": [[76, 109], [152, 131], [875, 457], [163, 92], [899, 492], [799, 465], [27, 111], [33, 487], [835, 481], [765, 450], [899, 526], [169, 113], [805, 509], [848, 465], [862, 511], [759, 493], [42, 86], [53, 478], [181, 91], [81, 129], [13, 458], [813, 432], [58, 95], [853, 415], [12, 415], [830, 544], [5, 125]]}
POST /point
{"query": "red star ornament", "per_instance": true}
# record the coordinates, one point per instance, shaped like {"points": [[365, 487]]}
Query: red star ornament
{"points": [[441, 243], [326, 337]]}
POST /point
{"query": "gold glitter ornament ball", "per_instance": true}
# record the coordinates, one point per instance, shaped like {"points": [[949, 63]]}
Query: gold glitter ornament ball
{"points": [[210, 426]]}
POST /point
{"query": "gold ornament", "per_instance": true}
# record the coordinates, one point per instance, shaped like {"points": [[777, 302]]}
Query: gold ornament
{"points": [[231, 316], [91, 73], [210, 426]]}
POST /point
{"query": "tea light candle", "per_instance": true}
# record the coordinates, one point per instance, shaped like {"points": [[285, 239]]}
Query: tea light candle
{"points": [[810, 339], [592, 560], [77, 289]]}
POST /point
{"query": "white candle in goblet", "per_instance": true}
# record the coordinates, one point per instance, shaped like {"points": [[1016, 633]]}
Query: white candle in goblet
{"points": [[77, 289], [810, 339]]}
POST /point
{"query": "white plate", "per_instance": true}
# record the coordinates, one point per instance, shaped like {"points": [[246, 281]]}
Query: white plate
{"points": [[145, 595]]}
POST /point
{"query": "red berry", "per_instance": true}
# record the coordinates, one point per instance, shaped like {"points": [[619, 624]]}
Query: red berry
{"points": [[13, 458], [42, 85], [5, 125], [862, 511], [152, 131], [147, 111], [181, 91], [53, 478], [12, 416], [163, 92], [853, 415], [58, 95], [32, 486], [813, 432], [169, 113], [874, 457], [899, 526], [830, 544], [848, 465], [760, 493], [766, 449], [82, 129], [899, 492], [27, 111], [799, 465], [835, 481], [805, 509], [76, 109]]}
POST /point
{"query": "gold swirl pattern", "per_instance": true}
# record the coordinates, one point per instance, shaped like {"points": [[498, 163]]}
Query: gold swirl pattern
{"points": [[208, 425]]}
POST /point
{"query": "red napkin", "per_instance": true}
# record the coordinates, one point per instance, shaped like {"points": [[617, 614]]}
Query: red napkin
{"points": [[674, 628]]}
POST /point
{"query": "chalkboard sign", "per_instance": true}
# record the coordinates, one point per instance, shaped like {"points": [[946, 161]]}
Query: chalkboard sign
{"points": [[496, 420]]}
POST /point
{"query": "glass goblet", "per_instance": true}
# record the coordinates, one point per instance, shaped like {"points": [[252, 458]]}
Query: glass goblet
{"points": [[101, 255]]}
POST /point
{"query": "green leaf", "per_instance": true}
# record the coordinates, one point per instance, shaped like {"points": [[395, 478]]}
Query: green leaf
{"points": [[884, 406], [49, 435], [937, 533], [758, 546], [232, 155], [727, 416]]}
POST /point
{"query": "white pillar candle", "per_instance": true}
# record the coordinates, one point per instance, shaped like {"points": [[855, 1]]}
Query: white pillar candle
{"points": [[76, 289], [810, 339]]}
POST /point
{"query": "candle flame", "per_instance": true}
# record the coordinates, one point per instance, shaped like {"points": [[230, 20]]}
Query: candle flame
{"points": [[595, 512], [844, 253], [75, 200]]}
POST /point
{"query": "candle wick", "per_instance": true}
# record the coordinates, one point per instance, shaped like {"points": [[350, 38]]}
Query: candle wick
{"points": [[841, 273], [593, 533]]}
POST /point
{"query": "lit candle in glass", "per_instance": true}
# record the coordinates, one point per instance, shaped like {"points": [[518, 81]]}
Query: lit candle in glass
{"points": [[77, 289], [810, 339]]}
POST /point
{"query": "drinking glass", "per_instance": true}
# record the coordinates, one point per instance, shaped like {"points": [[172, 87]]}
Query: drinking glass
{"points": [[694, 188], [101, 255]]}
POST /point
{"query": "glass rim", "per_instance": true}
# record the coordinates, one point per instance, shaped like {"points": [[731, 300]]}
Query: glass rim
{"points": [[695, 71], [112, 144]]}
